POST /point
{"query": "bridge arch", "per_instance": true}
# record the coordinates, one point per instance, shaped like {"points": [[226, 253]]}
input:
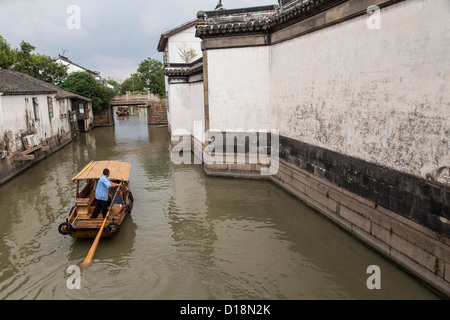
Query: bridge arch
{"points": [[156, 107]]}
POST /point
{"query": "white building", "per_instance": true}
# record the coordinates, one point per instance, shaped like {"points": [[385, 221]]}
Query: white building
{"points": [[73, 67], [359, 96], [184, 81], [33, 112]]}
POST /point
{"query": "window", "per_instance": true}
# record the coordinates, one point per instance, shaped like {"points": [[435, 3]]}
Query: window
{"points": [[50, 107], [81, 108], [36, 108]]}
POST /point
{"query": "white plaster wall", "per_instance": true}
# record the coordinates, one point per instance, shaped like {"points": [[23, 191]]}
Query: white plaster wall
{"points": [[71, 68], [197, 103], [186, 107], [239, 89], [380, 95], [14, 110], [180, 109], [177, 40]]}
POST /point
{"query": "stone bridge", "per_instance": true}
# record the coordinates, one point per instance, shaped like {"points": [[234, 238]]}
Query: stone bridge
{"points": [[156, 107]]}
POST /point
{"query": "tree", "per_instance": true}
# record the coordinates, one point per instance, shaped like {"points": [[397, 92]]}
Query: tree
{"points": [[38, 65], [134, 83], [85, 85], [151, 72], [47, 69], [187, 54], [8, 55], [116, 86]]}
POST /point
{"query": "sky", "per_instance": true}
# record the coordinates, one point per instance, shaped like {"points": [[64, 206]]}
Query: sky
{"points": [[109, 36]]}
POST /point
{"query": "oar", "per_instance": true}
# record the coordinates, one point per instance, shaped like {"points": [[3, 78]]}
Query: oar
{"points": [[94, 246]]}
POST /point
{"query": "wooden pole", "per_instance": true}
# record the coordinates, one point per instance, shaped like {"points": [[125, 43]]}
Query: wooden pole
{"points": [[82, 171], [94, 246]]}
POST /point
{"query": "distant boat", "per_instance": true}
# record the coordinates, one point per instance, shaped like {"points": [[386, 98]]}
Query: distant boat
{"points": [[79, 224], [123, 111]]}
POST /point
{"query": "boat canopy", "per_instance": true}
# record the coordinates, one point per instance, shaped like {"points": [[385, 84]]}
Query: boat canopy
{"points": [[118, 170]]}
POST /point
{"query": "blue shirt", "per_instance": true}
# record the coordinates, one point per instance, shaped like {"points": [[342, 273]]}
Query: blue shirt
{"points": [[101, 193]]}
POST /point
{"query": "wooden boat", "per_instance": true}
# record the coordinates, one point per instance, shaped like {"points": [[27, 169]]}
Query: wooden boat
{"points": [[79, 224], [123, 111]]}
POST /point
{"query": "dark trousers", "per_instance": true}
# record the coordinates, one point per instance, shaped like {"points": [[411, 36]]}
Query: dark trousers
{"points": [[103, 206]]}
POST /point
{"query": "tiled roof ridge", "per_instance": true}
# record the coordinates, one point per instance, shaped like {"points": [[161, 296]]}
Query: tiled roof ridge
{"points": [[301, 9], [263, 21], [18, 83], [185, 69]]}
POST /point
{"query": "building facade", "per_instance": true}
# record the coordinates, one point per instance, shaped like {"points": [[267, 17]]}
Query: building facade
{"points": [[36, 118], [184, 80], [73, 67], [356, 93]]}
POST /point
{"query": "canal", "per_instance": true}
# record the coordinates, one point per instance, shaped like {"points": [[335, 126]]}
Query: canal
{"points": [[189, 236]]}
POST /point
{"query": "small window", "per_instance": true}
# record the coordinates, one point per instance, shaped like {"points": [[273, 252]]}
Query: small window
{"points": [[36, 108], [81, 108], [50, 107]]}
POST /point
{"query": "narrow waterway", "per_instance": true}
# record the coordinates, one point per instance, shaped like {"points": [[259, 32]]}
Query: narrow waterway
{"points": [[189, 236]]}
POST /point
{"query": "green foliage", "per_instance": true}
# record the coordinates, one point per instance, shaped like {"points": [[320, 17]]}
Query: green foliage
{"points": [[149, 77], [8, 55], [151, 71], [116, 86], [187, 54], [38, 65], [132, 84], [84, 84], [437, 268]]}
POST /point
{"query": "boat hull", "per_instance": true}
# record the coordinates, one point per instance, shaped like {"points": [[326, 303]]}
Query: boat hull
{"points": [[88, 229]]}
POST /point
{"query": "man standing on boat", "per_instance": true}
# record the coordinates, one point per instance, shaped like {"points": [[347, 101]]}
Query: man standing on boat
{"points": [[102, 195]]}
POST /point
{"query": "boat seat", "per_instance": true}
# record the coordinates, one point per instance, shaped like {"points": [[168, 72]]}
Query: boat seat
{"points": [[84, 206]]}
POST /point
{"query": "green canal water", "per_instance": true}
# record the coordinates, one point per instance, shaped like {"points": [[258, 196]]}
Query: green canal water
{"points": [[189, 236]]}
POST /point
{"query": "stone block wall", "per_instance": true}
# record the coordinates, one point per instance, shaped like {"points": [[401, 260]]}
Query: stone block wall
{"points": [[425, 202], [419, 250], [157, 113]]}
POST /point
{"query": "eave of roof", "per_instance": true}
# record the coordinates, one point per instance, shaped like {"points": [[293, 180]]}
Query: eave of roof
{"points": [[165, 36], [258, 19], [18, 83], [184, 69], [67, 60]]}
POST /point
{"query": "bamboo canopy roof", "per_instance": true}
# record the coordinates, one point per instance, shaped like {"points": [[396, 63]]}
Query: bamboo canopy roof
{"points": [[118, 170]]}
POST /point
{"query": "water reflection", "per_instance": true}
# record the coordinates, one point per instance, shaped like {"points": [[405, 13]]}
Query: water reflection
{"points": [[189, 236]]}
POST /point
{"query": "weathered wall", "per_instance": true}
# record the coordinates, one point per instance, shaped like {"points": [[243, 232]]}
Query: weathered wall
{"points": [[363, 118], [157, 113], [104, 118], [379, 95], [11, 165], [18, 118]]}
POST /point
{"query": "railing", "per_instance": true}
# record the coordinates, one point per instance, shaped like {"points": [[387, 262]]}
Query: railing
{"points": [[134, 99]]}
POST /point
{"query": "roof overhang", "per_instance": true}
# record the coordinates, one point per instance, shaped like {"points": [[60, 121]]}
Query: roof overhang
{"points": [[119, 170], [165, 36]]}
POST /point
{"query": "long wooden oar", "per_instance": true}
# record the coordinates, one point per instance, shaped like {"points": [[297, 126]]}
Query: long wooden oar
{"points": [[94, 246]]}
